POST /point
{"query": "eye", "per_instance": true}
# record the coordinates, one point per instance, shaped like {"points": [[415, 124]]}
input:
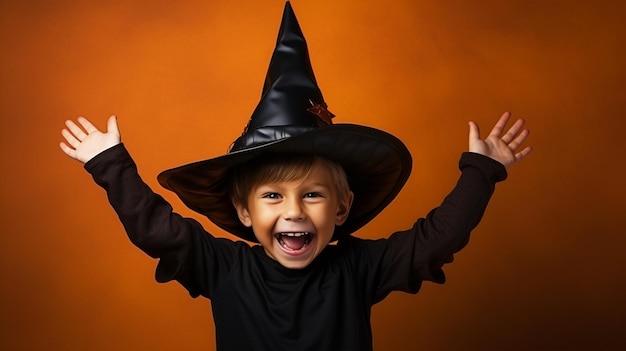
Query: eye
{"points": [[271, 196], [312, 195]]}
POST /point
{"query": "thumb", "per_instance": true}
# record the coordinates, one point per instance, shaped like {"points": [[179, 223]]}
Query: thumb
{"points": [[112, 125], [474, 132]]}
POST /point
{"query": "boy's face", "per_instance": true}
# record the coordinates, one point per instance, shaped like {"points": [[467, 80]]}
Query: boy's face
{"points": [[295, 220]]}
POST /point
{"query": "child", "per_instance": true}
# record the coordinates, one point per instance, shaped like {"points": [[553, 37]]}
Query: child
{"points": [[295, 182]]}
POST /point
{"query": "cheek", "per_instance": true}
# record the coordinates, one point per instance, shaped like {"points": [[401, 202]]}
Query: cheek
{"points": [[326, 223], [262, 220]]}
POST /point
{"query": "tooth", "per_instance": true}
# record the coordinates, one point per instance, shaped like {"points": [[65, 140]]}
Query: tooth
{"points": [[295, 234]]}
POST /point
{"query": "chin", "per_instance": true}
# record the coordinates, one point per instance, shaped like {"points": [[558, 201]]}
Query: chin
{"points": [[294, 265], [292, 262]]}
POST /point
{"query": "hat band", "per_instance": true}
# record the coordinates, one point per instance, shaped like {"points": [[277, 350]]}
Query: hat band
{"points": [[266, 135]]}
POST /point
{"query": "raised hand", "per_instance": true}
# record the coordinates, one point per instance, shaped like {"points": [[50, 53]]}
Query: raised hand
{"points": [[84, 142], [502, 148]]}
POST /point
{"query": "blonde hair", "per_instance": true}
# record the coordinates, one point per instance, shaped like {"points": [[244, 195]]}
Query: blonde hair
{"points": [[271, 168]]}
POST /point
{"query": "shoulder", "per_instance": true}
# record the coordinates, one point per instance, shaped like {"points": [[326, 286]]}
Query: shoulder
{"points": [[359, 250]]}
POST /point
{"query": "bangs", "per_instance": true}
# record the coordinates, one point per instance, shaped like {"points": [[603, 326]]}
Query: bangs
{"points": [[272, 168], [281, 168]]}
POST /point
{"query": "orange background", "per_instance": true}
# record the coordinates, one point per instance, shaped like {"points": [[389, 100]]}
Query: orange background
{"points": [[544, 271]]}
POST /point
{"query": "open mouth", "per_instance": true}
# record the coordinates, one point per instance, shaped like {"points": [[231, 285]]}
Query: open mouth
{"points": [[294, 241]]}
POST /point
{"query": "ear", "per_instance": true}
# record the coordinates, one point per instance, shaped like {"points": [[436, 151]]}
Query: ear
{"points": [[243, 214], [343, 208]]}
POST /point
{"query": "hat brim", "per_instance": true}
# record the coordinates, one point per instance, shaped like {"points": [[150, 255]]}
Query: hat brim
{"points": [[377, 165]]}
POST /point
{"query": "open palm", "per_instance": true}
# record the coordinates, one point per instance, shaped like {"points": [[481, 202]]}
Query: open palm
{"points": [[84, 142], [500, 147]]}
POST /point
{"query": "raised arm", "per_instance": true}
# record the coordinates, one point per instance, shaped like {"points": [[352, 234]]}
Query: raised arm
{"points": [[187, 253], [84, 142], [434, 239]]}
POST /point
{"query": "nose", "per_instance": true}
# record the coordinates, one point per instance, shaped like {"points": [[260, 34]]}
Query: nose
{"points": [[293, 210]]}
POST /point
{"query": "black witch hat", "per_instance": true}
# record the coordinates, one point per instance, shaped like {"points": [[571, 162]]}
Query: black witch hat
{"points": [[292, 117]]}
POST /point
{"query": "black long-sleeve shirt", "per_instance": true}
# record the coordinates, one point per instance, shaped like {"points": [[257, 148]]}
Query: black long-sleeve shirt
{"points": [[259, 304]]}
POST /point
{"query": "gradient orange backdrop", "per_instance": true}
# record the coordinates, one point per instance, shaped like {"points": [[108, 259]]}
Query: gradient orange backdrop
{"points": [[544, 271]]}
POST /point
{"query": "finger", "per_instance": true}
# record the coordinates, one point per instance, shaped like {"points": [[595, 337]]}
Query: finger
{"points": [[112, 125], [70, 138], [474, 132], [519, 139], [520, 155], [513, 131], [76, 130], [499, 127], [90, 128], [67, 150]]}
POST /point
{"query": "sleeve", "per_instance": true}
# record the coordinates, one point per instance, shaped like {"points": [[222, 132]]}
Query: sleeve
{"points": [[186, 252], [412, 256]]}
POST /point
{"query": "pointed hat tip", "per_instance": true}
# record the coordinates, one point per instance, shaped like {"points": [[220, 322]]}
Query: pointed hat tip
{"points": [[288, 6]]}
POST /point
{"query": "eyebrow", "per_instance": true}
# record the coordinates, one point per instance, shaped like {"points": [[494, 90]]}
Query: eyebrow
{"points": [[272, 185]]}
